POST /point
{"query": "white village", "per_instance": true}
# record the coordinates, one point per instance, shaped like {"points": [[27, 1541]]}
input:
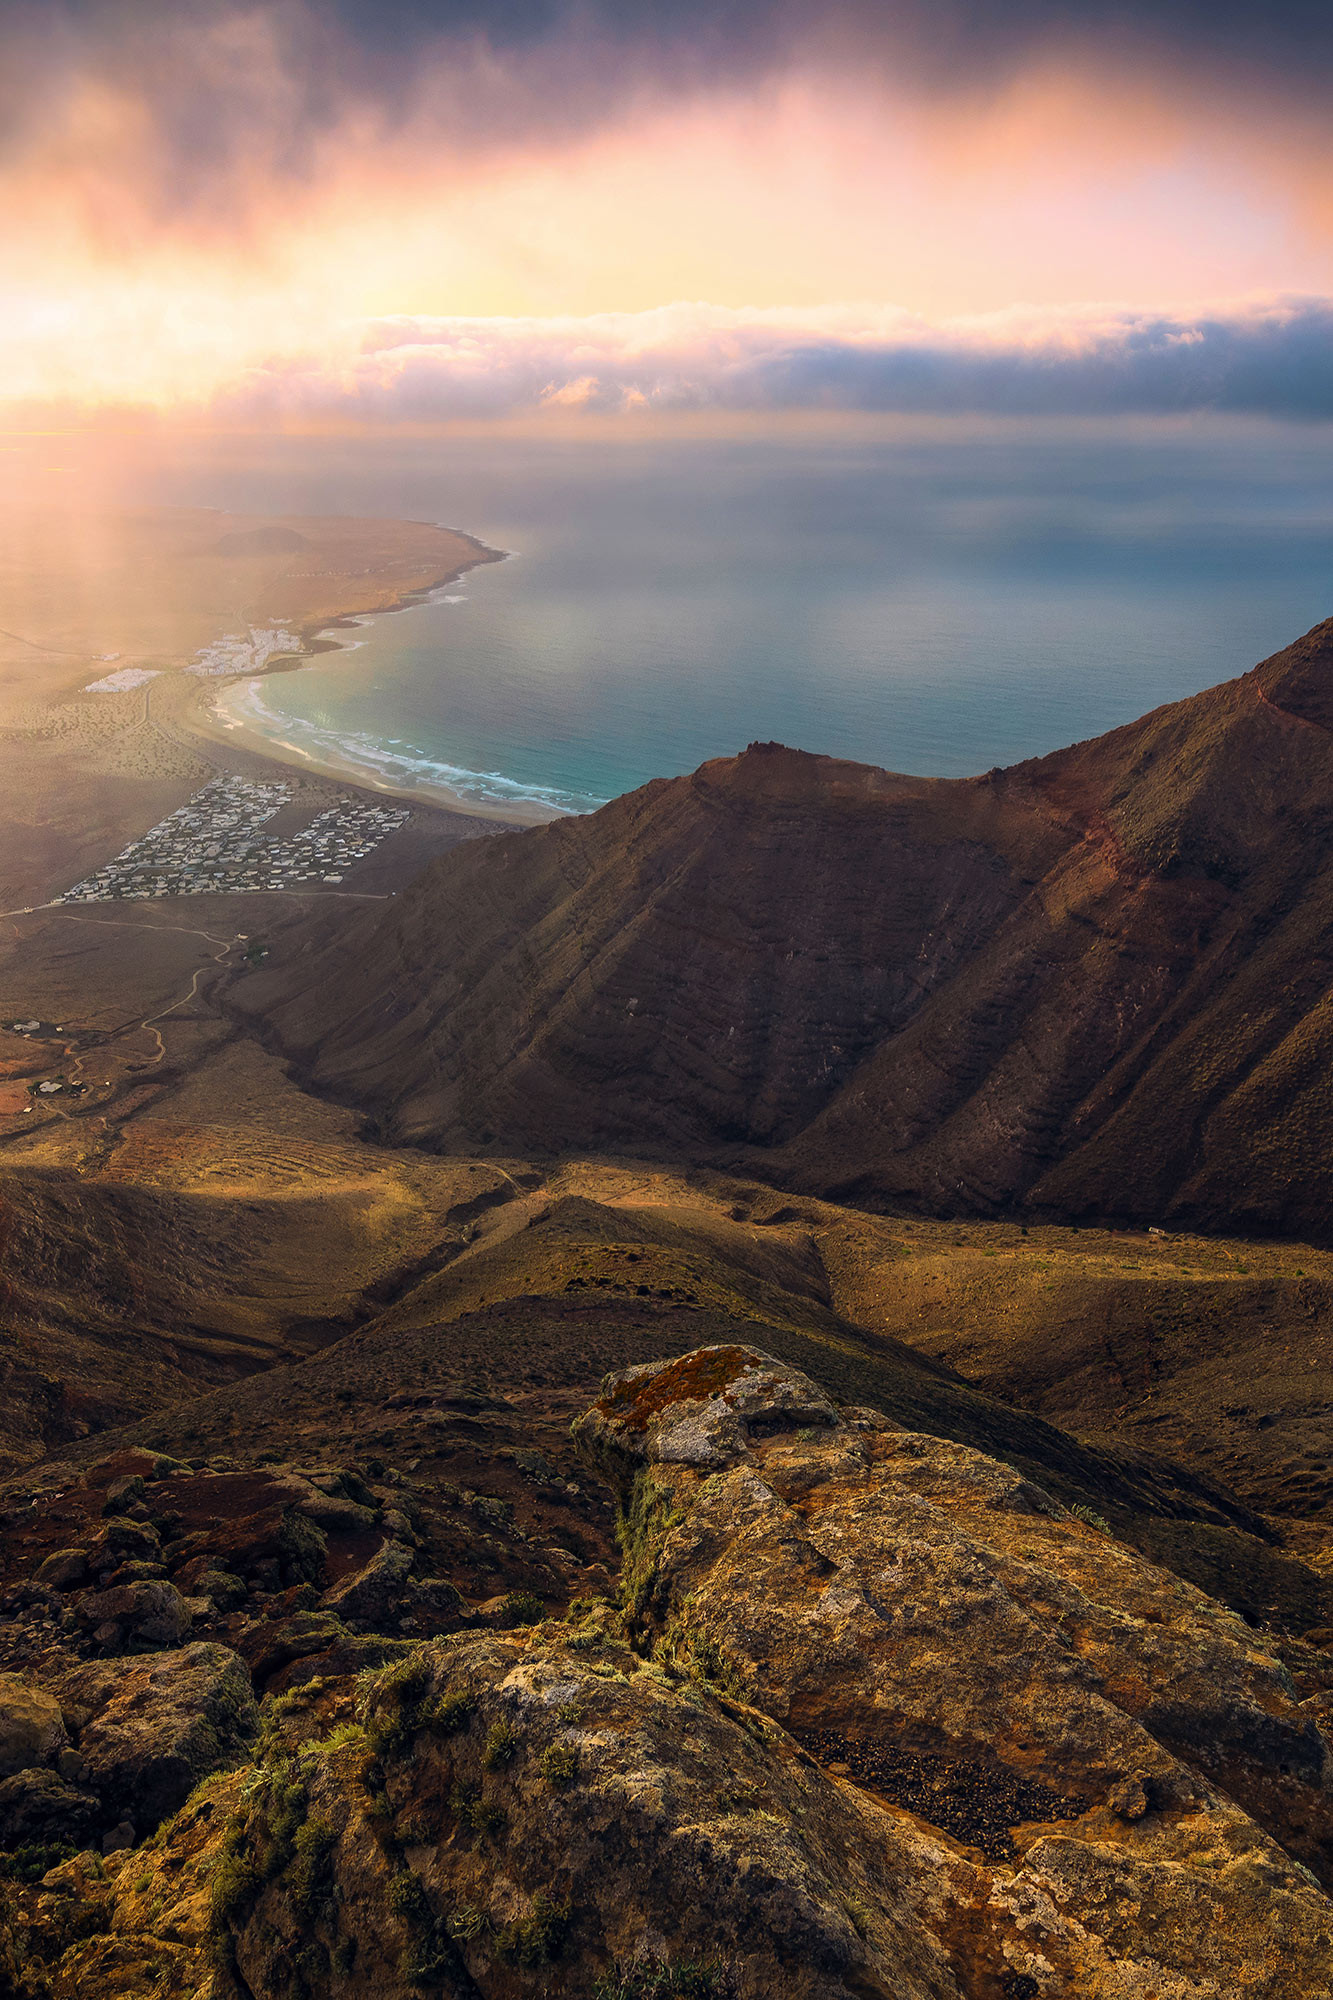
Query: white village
{"points": [[216, 843]]}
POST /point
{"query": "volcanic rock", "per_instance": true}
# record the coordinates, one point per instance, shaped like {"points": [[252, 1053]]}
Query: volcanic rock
{"points": [[32, 1730], [150, 1727], [371, 1593], [135, 1614]]}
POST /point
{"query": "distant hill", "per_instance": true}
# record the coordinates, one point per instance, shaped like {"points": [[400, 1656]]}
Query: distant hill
{"points": [[1095, 983]]}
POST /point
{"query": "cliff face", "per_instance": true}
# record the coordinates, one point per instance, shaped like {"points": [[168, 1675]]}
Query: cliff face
{"points": [[1094, 983]]}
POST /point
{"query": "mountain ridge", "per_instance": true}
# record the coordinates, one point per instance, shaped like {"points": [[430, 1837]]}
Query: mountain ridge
{"points": [[1091, 984]]}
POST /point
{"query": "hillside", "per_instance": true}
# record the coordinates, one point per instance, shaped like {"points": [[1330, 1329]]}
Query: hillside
{"points": [[1094, 984]]}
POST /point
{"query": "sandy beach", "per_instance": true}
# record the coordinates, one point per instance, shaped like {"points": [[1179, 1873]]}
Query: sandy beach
{"points": [[103, 727]]}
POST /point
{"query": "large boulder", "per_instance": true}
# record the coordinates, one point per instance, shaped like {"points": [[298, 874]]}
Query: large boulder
{"points": [[548, 1812], [939, 1631], [146, 1614], [703, 1409], [32, 1729], [124, 1541], [150, 1727]]}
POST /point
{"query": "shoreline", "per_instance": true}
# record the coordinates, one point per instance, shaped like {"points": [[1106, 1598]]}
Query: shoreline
{"points": [[83, 773], [198, 717]]}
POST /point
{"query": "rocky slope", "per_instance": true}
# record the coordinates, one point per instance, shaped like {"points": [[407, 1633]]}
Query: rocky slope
{"points": [[1092, 984], [870, 1713]]}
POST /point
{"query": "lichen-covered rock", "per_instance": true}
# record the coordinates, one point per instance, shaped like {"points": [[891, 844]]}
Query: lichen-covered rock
{"points": [[703, 1409], [548, 1812], [132, 1926], [32, 1730], [141, 1613], [124, 1541], [63, 1569], [875, 1718], [40, 1808], [526, 1817], [335, 1514], [150, 1727], [938, 1630], [224, 1590]]}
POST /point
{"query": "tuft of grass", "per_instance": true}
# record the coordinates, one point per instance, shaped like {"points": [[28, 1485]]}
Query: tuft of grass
{"points": [[537, 1938], [501, 1745], [1091, 1517], [559, 1765], [407, 1898], [429, 1958], [476, 1810], [522, 1607], [393, 1704], [30, 1862], [451, 1713], [468, 1923], [234, 1886], [308, 1880], [347, 1735], [657, 1979]]}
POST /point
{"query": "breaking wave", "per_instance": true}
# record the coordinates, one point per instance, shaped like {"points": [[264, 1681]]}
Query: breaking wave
{"points": [[388, 762]]}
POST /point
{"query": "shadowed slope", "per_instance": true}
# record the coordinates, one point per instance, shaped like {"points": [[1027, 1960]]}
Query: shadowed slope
{"points": [[1094, 983]]}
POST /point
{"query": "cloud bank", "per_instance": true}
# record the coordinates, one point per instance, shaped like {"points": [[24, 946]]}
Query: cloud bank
{"points": [[1270, 358]]}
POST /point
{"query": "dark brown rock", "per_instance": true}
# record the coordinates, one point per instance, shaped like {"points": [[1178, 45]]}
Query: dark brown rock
{"points": [[146, 1614], [154, 1725]]}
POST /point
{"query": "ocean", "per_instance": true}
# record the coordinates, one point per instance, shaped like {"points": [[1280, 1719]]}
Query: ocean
{"points": [[936, 601]]}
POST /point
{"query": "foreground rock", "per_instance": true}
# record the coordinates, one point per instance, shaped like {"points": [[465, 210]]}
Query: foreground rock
{"points": [[876, 1719], [938, 1631]]}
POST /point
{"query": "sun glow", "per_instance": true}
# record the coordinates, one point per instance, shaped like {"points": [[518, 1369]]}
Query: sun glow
{"points": [[806, 191]]}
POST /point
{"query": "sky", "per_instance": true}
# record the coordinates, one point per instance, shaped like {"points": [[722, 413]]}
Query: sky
{"points": [[320, 213]]}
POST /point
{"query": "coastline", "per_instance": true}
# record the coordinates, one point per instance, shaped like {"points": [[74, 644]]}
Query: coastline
{"points": [[84, 769], [194, 709]]}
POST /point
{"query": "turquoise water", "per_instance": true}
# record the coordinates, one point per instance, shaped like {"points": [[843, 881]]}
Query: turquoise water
{"points": [[937, 605]]}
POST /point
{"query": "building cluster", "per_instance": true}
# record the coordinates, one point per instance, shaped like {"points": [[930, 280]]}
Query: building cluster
{"points": [[216, 843], [244, 652]]}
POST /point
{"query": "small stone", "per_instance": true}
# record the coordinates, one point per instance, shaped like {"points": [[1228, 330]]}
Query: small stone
{"points": [[226, 1591], [152, 1614], [1129, 1799], [119, 1836]]}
